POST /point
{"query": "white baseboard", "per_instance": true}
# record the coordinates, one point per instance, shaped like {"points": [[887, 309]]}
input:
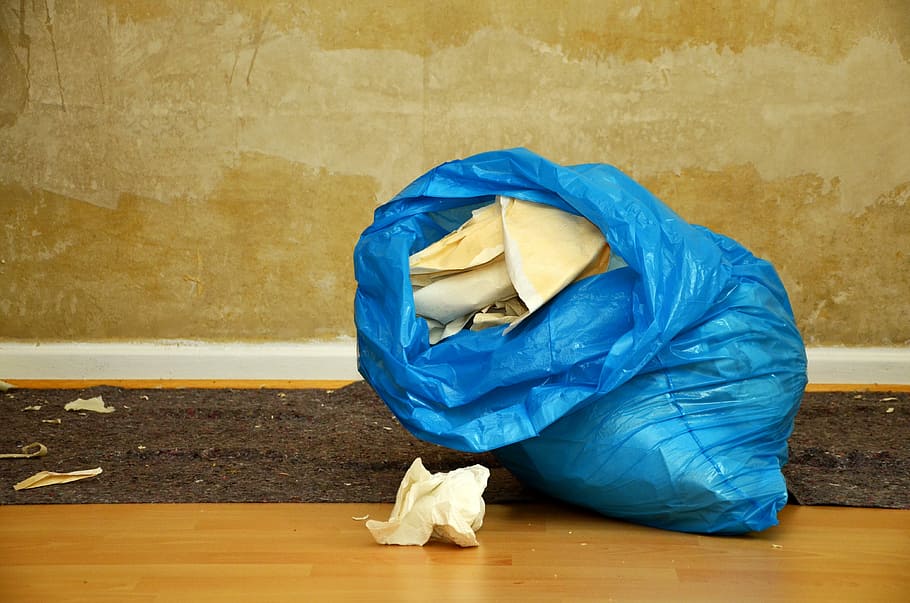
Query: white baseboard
{"points": [[889, 366], [183, 360], [327, 361]]}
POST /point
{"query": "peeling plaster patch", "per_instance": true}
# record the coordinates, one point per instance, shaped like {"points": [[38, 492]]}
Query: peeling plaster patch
{"points": [[848, 276], [840, 297], [167, 127], [628, 29], [326, 282], [785, 112], [631, 13], [237, 266], [48, 252]]}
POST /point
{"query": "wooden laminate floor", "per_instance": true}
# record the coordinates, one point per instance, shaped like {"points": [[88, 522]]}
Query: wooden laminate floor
{"points": [[318, 552]]}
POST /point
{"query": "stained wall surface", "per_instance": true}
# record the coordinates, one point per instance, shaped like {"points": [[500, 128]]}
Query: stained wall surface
{"points": [[202, 170]]}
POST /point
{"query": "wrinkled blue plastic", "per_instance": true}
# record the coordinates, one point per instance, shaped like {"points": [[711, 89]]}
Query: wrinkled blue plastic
{"points": [[663, 392]]}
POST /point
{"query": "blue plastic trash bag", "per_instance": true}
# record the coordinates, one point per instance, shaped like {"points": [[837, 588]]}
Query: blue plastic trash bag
{"points": [[662, 392]]}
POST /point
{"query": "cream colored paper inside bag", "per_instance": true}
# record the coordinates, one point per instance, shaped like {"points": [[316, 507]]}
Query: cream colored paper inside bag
{"points": [[503, 264]]}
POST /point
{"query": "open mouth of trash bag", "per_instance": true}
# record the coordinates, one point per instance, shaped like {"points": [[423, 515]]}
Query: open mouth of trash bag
{"points": [[502, 265], [656, 380]]}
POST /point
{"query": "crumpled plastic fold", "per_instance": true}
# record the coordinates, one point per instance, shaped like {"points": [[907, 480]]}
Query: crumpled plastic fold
{"points": [[662, 391], [435, 506]]}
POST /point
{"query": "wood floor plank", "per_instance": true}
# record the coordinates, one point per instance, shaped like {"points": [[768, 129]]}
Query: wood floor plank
{"points": [[296, 552]]}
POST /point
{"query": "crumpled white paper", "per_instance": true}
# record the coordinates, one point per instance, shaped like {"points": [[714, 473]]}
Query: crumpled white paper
{"points": [[440, 506]]}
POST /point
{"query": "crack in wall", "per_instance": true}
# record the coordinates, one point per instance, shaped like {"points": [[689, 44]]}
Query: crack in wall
{"points": [[25, 42], [49, 25], [257, 41]]}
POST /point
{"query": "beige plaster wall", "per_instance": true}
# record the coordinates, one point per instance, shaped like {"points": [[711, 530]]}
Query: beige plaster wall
{"points": [[201, 170]]}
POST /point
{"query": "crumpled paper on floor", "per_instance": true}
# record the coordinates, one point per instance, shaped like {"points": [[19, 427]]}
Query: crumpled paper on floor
{"points": [[439, 506], [50, 478], [500, 266], [95, 404]]}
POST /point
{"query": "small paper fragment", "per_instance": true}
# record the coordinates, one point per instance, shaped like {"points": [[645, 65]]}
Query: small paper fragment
{"points": [[51, 478], [95, 404], [33, 450], [441, 506], [890, 409], [35, 407]]}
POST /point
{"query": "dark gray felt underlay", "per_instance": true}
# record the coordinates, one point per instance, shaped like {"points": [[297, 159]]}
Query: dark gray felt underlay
{"points": [[267, 445]]}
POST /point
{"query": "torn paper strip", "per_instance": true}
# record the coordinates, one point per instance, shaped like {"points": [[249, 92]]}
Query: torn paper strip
{"points": [[442, 506], [95, 404], [30, 451], [49, 478]]}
